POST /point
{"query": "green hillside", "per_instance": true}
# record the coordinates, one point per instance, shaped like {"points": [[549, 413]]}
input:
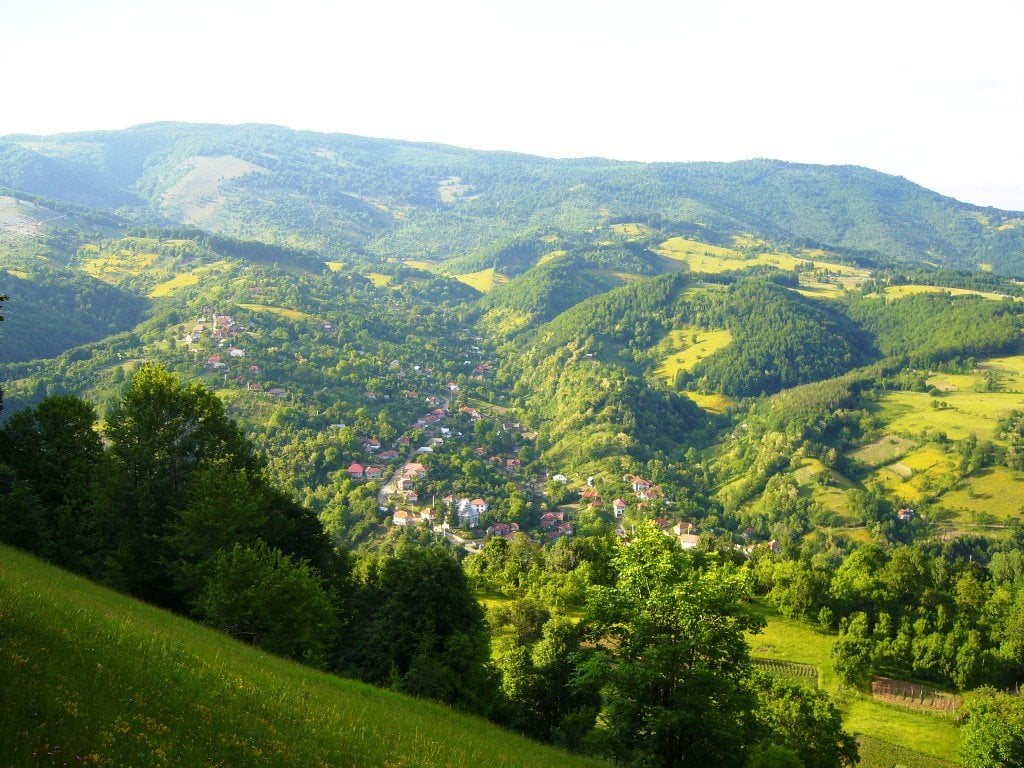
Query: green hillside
{"points": [[348, 194], [104, 680]]}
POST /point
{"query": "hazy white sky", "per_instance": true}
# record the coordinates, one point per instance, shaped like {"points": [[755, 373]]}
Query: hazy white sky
{"points": [[928, 89]]}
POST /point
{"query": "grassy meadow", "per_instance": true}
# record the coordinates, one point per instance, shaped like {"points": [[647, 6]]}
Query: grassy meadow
{"points": [[894, 292], [93, 678], [291, 314], [485, 281], [683, 348], [702, 257], [889, 735], [168, 287]]}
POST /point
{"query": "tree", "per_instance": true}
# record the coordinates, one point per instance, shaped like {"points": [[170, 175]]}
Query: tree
{"points": [[672, 659], [993, 734], [261, 595], [805, 722], [162, 435], [3, 298], [55, 449], [420, 629]]}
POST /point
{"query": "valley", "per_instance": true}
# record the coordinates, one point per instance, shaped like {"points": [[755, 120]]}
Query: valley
{"points": [[535, 380]]}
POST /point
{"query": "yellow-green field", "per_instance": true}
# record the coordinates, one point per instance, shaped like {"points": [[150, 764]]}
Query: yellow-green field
{"points": [[884, 450], [379, 279], [702, 257], [683, 348], [968, 412], [994, 494], [713, 403], [894, 292], [484, 281], [335, 266], [426, 266], [168, 287], [550, 255], [109, 265], [632, 230], [291, 314], [817, 290]]}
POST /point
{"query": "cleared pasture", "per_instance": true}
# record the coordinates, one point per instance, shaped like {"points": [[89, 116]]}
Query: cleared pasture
{"points": [[683, 348], [168, 287], [713, 403], [485, 281], [965, 412], [894, 292], [291, 314], [884, 450]]}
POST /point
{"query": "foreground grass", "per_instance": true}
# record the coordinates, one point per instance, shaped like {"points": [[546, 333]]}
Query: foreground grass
{"points": [[90, 677]]}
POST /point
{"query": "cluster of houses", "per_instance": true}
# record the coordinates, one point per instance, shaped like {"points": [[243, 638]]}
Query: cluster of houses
{"points": [[555, 526], [468, 511]]}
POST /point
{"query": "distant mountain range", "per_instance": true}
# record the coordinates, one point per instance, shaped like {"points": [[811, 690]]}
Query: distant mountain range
{"points": [[349, 197]]}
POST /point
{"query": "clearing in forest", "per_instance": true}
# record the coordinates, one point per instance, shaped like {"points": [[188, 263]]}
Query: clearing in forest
{"points": [[713, 403], [683, 348], [884, 450], [894, 292], [197, 197], [957, 414], [703, 257], [291, 314], [485, 281], [168, 287]]}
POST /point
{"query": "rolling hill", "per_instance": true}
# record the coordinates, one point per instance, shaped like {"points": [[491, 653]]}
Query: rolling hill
{"points": [[351, 195]]}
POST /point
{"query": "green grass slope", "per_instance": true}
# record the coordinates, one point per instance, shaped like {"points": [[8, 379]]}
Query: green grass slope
{"points": [[889, 735], [90, 677]]}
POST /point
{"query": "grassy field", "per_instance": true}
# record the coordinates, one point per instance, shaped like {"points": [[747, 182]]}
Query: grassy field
{"points": [[713, 403], [702, 257], [378, 278], [992, 495], [426, 266], [484, 281], [168, 287], [103, 680], [291, 314], [892, 735], [683, 348], [894, 292], [109, 265], [965, 412], [884, 450], [632, 230]]}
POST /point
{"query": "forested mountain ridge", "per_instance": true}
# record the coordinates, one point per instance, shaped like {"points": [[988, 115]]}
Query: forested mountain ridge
{"points": [[357, 196]]}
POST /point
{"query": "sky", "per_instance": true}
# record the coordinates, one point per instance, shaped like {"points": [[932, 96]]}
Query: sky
{"points": [[930, 90]]}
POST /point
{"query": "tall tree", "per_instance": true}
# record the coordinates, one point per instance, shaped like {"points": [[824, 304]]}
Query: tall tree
{"points": [[162, 435], [55, 449], [672, 659], [422, 631]]}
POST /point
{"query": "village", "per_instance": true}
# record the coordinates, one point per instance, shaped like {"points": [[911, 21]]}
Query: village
{"points": [[409, 495]]}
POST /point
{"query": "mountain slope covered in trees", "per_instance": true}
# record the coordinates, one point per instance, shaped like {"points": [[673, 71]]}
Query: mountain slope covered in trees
{"points": [[352, 195]]}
